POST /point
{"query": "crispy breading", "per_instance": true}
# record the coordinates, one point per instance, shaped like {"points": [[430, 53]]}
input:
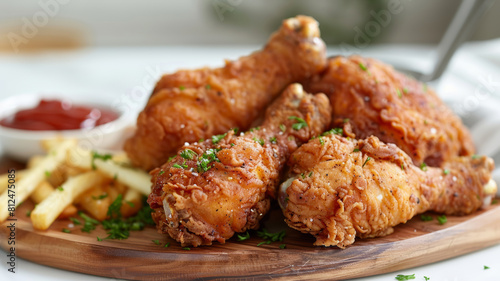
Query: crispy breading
{"points": [[372, 98], [190, 105], [341, 188], [223, 185]]}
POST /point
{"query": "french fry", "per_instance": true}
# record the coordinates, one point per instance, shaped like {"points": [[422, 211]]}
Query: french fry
{"points": [[43, 190], [33, 176], [96, 201], [4, 179], [33, 161], [47, 211], [132, 203], [135, 179], [69, 211]]}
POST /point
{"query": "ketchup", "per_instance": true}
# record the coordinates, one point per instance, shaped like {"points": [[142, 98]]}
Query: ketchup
{"points": [[58, 115]]}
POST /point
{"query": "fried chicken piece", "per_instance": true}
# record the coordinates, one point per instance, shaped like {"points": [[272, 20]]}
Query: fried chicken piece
{"points": [[341, 188], [374, 99], [223, 185], [190, 105]]}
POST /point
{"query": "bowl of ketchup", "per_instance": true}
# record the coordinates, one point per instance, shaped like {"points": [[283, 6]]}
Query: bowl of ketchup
{"points": [[26, 120]]}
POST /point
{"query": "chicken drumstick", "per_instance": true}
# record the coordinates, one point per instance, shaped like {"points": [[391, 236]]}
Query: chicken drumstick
{"points": [[342, 188], [374, 99], [195, 104], [223, 185]]}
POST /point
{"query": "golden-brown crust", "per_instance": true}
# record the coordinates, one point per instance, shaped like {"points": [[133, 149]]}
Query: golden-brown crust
{"points": [[340, 189], [377, 100], [190, 105], [233, 192]]}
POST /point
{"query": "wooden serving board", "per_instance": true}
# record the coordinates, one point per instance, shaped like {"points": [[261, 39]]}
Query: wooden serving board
{"points": [[139, 258]]}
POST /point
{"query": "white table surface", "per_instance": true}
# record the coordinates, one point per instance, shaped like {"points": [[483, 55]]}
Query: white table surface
{"points": [[122, 72]]}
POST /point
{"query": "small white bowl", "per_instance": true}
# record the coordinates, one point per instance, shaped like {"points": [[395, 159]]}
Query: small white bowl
{"points": [[20, 145]]}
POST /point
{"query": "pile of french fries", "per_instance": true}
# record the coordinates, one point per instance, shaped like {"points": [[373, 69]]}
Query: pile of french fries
{"points": [[70, 178]]}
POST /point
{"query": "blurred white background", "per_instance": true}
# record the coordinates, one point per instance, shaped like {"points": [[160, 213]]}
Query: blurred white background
{"points": [[69, 23]]}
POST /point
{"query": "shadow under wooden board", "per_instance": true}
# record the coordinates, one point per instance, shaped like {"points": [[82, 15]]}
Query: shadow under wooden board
{"points": [[139, 258]]}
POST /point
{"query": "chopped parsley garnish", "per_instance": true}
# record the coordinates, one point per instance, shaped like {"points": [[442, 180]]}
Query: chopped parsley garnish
{"points": [[402, 277], [60, 188], [311, 174], [346, 120], [186, 249], [208, 157], [243, 237], [179, 166], [282, 127], [188, 154], [273, 140], [486, 267], [423, 167], [446, 171], [405, 90], [427, 278], [217, 138], [442, 219], [182, 88], [282, 246], [321, 141], [131, 204], [363, 67], [367, 159], [114, 208], [47, 174], [65, 230], [167, 245], [356, 150], [399, 93], [336, 131], [28, 213], [100, 197], [259, 141], [161, 172], [207, 86], [426, 218], [264, 242], [271, 237], [254, 129], [75, 221], [299, 124], [103, 157], [157, 242], [402, 166], [119, 228], [475, 156], [89, 223], [99, 239]]}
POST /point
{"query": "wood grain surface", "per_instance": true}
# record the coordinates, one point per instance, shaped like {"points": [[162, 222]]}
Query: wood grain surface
{"points": [[139, 258]]}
